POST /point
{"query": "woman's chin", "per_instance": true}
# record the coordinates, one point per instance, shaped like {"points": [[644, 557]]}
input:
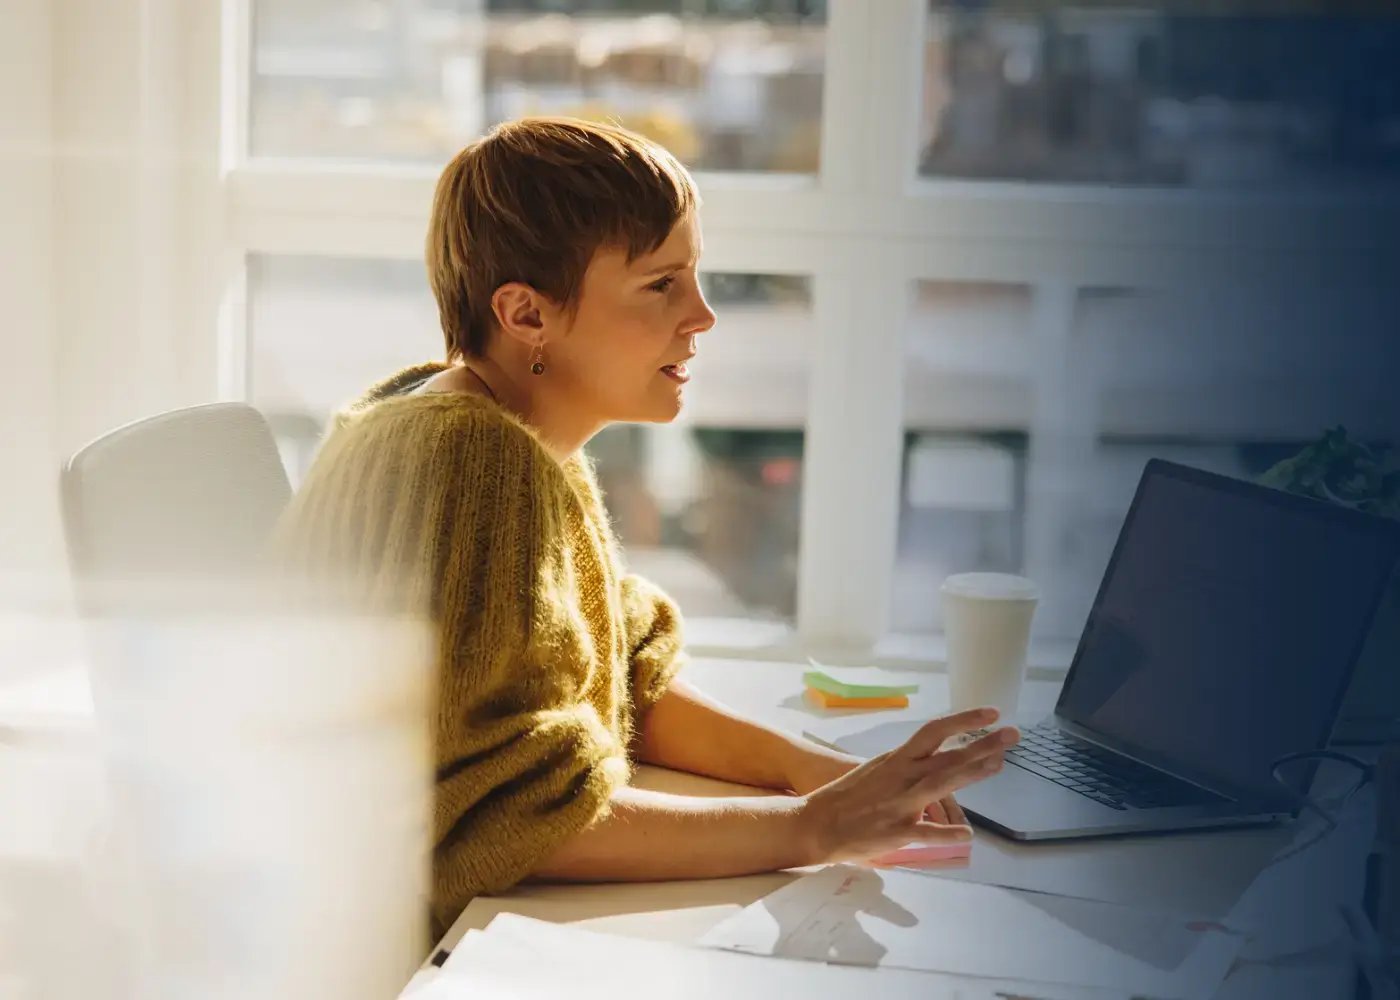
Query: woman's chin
{"points": [[664, 406], [663, 414], [648, 411]]}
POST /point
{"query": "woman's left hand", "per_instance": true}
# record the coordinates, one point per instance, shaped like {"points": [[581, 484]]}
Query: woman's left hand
{"points": [[812, 767]]}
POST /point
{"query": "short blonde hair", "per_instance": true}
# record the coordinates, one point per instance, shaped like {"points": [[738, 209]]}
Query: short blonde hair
{"points": [[532, 201]]}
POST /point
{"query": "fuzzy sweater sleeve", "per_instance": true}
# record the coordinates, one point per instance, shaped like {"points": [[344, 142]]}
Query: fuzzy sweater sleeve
{"points": [[449, 507], [655, 640]]}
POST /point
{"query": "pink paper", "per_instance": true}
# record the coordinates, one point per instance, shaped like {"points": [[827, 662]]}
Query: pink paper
{"points": [[924, 854]]}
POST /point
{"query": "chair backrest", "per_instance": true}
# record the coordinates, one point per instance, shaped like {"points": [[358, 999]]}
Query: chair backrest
{"points": [[189, 494]]}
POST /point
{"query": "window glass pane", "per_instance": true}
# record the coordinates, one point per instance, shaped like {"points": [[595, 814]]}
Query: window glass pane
{"points": [[966, 409], [724, 84], [1229, 379], [708, 506], [1149, 92]]}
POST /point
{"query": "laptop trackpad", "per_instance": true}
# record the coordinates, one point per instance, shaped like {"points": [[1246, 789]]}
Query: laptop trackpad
{"points": [[1016, 801]]}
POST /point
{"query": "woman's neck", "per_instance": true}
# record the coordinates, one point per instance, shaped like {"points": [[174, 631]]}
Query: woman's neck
{"points": [[562, 428]]}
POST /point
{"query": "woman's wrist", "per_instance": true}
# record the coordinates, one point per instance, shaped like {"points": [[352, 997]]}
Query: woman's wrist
{"points": [[806, 766], [810, 832]]}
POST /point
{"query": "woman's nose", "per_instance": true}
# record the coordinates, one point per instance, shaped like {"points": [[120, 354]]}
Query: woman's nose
{"points": [[704, 317]]}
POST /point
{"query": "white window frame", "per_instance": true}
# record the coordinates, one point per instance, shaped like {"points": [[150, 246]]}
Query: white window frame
{"points": [[865, 229]]}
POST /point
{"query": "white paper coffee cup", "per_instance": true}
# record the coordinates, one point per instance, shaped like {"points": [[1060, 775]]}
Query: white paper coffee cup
{"points": [[987, 624]]}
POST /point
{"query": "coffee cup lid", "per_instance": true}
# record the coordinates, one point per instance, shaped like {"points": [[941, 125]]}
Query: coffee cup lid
{"points": [[993, 586]]}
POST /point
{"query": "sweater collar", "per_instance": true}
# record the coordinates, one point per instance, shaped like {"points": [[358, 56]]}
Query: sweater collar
{"points": [[579, 464]]}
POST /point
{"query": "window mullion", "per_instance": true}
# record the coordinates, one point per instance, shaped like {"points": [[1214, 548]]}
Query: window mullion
{"points": [[846, 96], [895, 32], [1063, 432], [852, 455], [235, 76], [854, 441]]}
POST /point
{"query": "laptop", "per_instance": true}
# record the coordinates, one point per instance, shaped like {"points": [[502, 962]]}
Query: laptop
{"points": [[1223, 637]]}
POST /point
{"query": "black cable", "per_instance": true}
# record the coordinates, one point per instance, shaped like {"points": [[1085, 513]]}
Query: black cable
{"points": [[1301, 799]]}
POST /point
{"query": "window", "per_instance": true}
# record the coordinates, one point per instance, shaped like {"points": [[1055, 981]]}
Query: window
{"points": [[1154, 93], [323, 329], [966, 275], [725, 86], [965, 414], [1022, 451]]}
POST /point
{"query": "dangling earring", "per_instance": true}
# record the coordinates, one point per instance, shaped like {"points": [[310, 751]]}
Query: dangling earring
{"points": [[538, 367]]}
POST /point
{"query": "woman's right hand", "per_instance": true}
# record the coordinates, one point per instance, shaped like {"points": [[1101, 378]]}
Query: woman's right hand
{"points": [[879, 806]]}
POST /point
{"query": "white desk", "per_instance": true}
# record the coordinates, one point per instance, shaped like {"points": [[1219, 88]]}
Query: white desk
{"points": [[1201, 872], [1207, 873]]}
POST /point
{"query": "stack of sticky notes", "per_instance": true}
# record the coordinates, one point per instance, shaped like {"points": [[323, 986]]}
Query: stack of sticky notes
{"points": [[833, 688], [926, 856]]}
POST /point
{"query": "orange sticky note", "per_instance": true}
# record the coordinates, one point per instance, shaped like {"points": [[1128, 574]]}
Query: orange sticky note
{"points": [[826, 700]]}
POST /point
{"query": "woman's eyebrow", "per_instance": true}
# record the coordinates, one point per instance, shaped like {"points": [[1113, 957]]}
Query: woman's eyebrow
{"points": [[666, 267]]}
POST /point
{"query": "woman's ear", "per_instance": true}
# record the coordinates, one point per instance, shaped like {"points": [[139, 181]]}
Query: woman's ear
{"points": [[520, 312]]}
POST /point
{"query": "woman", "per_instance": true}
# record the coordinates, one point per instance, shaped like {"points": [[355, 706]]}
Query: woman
{"points": [[563, 259]]}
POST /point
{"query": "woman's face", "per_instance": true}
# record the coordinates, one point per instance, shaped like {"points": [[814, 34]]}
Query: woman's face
{"points": [[622, 355]]}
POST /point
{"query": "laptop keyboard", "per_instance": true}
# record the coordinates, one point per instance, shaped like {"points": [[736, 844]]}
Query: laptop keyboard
{"points": [[1099, 774]]}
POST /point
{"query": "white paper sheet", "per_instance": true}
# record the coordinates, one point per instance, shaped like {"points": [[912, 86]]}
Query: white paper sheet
{"points": [[1205, 874], [878, 738], [527, 959], [897, 919]]}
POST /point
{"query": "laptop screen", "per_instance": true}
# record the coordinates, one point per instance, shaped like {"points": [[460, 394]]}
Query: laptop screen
{"points": [[1227, 624]]}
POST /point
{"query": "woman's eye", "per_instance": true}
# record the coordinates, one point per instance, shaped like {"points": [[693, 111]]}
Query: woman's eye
{"points": [[664, 284]]}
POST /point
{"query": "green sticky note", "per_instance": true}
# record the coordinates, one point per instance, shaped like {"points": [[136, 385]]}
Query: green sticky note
{"points": [[845, 688]]}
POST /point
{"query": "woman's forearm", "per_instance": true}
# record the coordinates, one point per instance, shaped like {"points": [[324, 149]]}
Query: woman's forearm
{"points": [[686, 730], [655, 836], [866, 813]]}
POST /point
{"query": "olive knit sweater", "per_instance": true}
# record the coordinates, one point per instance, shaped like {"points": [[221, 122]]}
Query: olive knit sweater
{"points": [[549, 653]]}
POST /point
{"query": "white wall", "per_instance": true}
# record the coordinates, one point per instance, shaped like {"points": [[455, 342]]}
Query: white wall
{"points": [[109, 238], [29, 525], [136, 140]]}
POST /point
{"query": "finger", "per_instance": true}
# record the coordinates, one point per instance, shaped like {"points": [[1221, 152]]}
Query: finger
{"points": [[936, 812], [954, 811], [939, 774], [940, 833], [944, 781], [995, 742], [935, 732]]}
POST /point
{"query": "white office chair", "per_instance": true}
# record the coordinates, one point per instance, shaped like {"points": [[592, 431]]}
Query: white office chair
{"points": [[184, 497]]}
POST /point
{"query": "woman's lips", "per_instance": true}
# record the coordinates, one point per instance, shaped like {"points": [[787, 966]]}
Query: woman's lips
{"points": [[677, 373]]}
